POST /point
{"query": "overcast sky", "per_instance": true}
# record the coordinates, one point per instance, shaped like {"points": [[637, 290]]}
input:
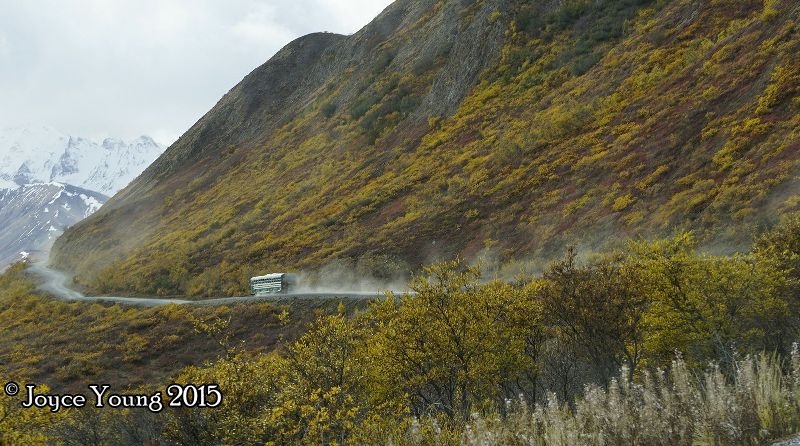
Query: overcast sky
{"points": [[124, 68]]}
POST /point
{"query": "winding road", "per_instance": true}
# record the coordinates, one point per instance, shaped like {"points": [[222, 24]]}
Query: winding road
{"points": [[55, 283]]}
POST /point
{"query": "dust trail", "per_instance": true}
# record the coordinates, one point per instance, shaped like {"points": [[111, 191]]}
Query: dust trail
{"points": [[368, 274]]}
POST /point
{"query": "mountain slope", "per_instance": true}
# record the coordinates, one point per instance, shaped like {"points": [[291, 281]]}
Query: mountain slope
{"points": [[42, 154], [466, 127], [32, 216]]}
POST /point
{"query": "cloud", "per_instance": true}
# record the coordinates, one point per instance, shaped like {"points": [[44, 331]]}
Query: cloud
{"points": [[128, 67], [349, 14], [261, 26]]}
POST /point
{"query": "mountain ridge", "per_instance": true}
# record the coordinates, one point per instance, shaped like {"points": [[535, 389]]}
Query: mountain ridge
{"points": [[35, 154], [33, 215]]}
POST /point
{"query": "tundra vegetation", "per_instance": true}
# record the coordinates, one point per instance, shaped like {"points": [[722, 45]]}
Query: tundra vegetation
{"points": [[654, 344]]}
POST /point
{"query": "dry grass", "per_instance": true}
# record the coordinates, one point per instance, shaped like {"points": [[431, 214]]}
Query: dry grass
{"points": [[759, 403]]}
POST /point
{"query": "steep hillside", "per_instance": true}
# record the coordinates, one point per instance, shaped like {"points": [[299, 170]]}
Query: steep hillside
{"points": [[468, 127]]}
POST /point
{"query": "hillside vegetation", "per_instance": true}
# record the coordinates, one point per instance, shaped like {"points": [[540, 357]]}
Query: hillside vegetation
{"points": [[653, 345], [487, 127]]}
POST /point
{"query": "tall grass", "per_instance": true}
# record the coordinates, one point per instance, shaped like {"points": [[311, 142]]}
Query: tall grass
{"points": [[759, 401]]}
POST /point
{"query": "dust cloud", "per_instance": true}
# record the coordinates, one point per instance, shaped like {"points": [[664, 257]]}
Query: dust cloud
{"points": [[367, 274]]}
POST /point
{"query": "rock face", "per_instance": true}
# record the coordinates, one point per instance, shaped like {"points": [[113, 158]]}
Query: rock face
{"points": [[33, 216], [461, 127], [42, 154]]}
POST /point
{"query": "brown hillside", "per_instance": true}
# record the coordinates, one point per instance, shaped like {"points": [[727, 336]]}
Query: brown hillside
{"points": [[467, 127]]}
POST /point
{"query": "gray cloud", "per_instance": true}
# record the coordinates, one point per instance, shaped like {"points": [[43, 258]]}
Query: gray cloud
{"points": [[128, 67]]}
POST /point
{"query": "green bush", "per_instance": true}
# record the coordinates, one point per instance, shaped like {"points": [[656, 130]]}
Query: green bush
{"points": [[328, 109]]}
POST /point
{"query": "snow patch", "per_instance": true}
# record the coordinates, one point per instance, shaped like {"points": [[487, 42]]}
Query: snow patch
{"points": [[6, 184], [92, 205]]}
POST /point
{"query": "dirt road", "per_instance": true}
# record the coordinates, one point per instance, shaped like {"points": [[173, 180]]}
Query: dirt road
{"points": [[55, 283]]}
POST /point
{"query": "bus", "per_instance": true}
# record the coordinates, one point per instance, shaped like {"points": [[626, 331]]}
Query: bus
{"points": [[276, 283]]}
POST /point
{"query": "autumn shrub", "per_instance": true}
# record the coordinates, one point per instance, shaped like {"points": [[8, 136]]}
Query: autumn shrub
{"points": [[455, 346], [23, 426], [707, 306]]}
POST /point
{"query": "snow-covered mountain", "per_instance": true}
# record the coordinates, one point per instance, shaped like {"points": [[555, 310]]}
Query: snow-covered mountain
{"points": [[41, 154], [50, 180], [32, 216]]}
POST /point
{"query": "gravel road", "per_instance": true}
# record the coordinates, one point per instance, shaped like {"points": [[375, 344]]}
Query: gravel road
{"points": [[54, 282]]}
